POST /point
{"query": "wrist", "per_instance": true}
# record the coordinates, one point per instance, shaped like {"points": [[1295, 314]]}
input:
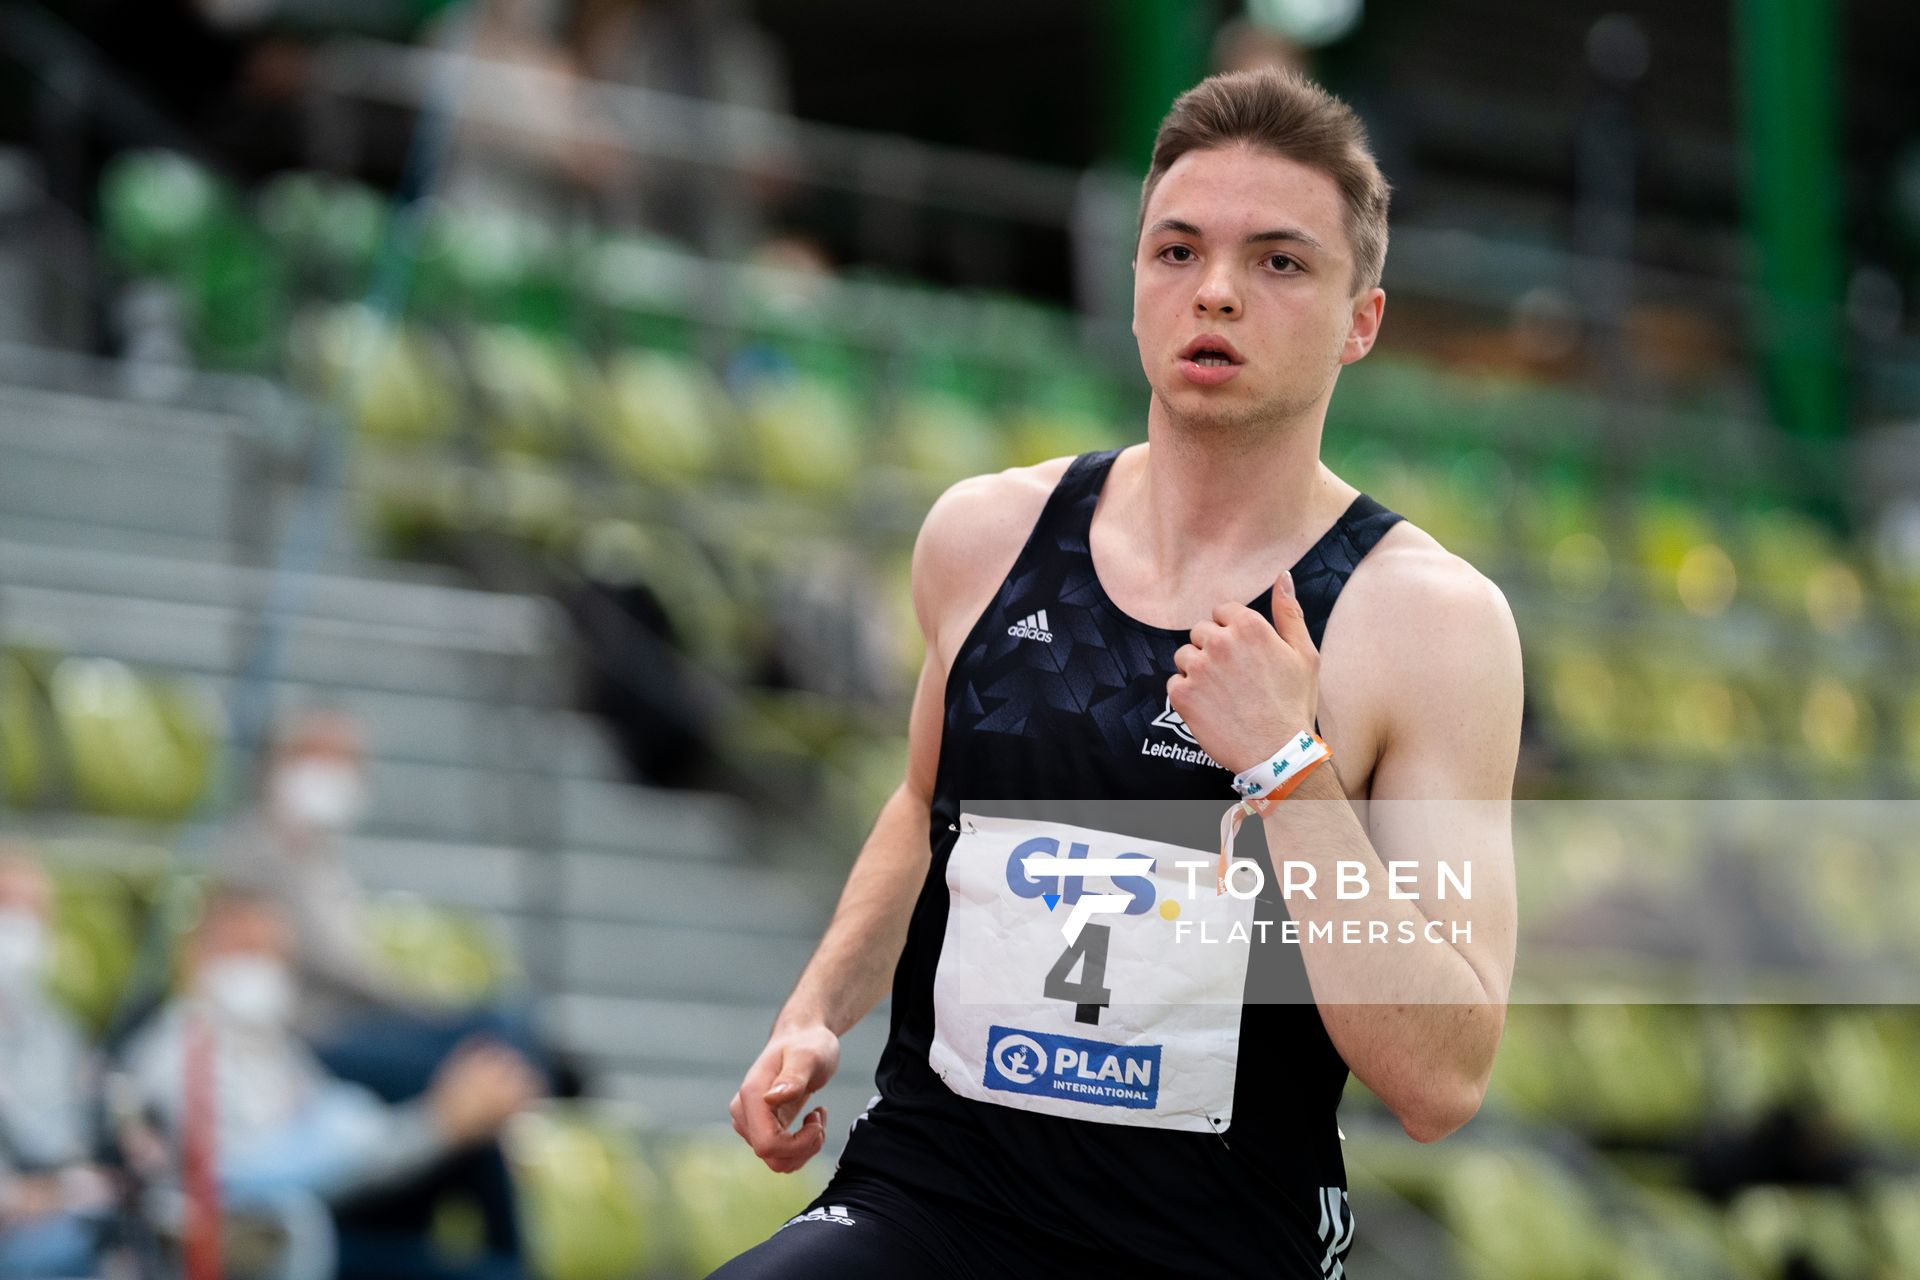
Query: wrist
{"points": [[1274, 777], [1280, 729], [800, 1017]]}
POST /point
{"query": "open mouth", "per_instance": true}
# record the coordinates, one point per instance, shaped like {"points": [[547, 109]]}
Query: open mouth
{"points": [[1211, 351]]}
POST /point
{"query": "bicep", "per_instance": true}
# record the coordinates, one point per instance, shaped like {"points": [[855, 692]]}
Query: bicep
{"points": [[1442, 790], [966, 544], [923, 728]]}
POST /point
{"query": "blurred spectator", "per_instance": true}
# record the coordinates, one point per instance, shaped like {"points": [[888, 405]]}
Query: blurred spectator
{"points": [[51, 1194], [525, 140], [1242, 44], [709, 49], [366, 1023], [285, 1129]]}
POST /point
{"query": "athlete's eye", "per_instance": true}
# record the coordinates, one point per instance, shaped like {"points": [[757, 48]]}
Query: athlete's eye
{"points": [[1283, 263], [1177, 248]]}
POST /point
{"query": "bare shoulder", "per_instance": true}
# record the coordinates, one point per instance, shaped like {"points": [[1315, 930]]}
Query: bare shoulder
{"points": [[1434, 658], [970, 539], [1409, 559], [1411, 600]]}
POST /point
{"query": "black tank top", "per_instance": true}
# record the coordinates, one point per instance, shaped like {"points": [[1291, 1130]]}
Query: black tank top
{"points": [[1057, 693]]}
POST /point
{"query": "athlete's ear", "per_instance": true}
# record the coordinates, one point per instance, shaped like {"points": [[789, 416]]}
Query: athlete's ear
{"points": [[1369, 310]]}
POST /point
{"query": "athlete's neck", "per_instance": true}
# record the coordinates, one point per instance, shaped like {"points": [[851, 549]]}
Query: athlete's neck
{"points": [[1200, 497]]}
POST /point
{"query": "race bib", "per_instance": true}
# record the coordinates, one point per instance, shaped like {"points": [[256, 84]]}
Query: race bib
{"points": [[1079, 995]]}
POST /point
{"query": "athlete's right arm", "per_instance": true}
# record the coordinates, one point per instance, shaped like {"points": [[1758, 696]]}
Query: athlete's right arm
{"points": [[957, 565]]}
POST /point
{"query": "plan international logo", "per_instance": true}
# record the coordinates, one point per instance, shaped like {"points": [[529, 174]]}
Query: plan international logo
{"points": [[1170, 719], [1055, 1066]]}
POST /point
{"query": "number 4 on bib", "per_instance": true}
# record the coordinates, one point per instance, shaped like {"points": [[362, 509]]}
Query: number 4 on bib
{"points": [[1089, 994]]}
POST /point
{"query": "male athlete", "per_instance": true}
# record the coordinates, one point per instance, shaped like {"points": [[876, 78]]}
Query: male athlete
{"points": [[1084, 623]]}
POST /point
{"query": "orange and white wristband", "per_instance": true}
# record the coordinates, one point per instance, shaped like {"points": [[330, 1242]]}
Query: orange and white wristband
{"points": [[1265, 785]]}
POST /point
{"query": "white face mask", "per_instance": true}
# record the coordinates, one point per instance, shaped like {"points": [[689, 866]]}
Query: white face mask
{"points": [[253, 989], [23, 948], [321, 794]]}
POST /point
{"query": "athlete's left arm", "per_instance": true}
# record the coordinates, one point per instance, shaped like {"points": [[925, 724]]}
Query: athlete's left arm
{"points": [[1418, 1017]]}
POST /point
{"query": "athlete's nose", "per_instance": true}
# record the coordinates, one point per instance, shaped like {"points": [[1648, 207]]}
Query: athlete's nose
{"points": [[1217, 294]]}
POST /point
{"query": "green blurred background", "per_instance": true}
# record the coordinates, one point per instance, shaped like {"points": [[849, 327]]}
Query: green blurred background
{"points": [[557, 387]]}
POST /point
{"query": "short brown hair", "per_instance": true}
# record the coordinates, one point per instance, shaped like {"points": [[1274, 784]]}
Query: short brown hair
{"points": [[1289, 115]]}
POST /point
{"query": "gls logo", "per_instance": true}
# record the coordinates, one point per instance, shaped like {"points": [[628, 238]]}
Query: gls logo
{"points": [[1056, 889]]}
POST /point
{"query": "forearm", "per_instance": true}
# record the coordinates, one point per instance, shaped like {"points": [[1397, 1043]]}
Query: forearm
{"points": [[345, 1140], [1411, 1015], [853, 965]]}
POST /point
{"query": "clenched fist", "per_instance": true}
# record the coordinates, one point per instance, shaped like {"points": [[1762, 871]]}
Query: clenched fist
{"points": [[1244, 685]]}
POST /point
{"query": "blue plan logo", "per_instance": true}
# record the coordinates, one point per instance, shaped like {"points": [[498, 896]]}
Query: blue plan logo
{"points": [[1091, 1071]]}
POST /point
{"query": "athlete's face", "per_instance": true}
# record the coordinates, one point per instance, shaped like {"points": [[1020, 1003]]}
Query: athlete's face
{"points": [[1250, 246]]}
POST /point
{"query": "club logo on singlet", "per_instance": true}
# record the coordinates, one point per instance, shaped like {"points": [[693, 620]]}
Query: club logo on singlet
{"points": [[1170, 720]]}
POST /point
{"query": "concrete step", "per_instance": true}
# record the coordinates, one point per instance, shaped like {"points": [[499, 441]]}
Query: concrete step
{"points": [[680, 962], [316, 649], [64, 533], [690, 1038], [150, 499], [35, 422], [621, 818], [679, 1101], [684, 1035], [721, 893], [595, 886], [341, 557], [493, 618]]}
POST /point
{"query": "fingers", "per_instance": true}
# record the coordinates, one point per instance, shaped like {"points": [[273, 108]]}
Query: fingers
{"points": [[795, 1084], [752, 1113], [783, 1152], [1210, 633], [761, 1111], [1212, 636], [801, 1146], [1291, 623], [754, 1120]]}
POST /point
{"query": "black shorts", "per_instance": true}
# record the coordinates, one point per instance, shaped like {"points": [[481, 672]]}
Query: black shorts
{"points": [[863, 1227]]}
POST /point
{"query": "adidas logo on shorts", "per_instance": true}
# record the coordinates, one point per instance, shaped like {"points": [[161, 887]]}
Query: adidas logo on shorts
{"points": [[832, 1213], [1336, 1231], [1033, 627]]}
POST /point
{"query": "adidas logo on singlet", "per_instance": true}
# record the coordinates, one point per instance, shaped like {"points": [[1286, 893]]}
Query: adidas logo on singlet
{"points": [[832, 1213], [1033, 627]]}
